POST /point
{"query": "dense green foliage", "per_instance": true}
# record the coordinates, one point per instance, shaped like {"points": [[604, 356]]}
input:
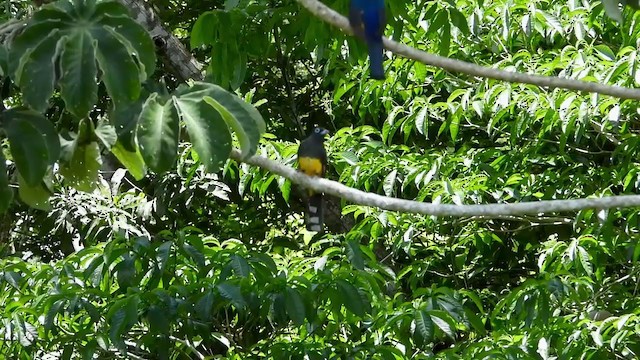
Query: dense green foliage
{"points": [[186, 254]]}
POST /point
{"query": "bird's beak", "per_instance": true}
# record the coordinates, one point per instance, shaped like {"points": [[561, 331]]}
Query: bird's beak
{"points": [[324, 132]]}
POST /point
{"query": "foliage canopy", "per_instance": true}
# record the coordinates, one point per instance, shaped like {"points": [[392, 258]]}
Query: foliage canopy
{"points": [[132, 235]]}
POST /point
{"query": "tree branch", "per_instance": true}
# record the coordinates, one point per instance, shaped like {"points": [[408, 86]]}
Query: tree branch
{"points": [[409, 206], [329, 15]]}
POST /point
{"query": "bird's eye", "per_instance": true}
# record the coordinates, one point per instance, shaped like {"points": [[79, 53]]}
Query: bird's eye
{"points": [[317, 130]]}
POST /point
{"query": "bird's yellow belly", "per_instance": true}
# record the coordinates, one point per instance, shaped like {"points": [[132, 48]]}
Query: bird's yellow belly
{"points": [[310, 166]]}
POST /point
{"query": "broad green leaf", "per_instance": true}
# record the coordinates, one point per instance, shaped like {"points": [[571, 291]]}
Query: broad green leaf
{"points": [[137, 41], [583, 259], [204, 305], [89, 350], [232, 293], [194, 254], [119, 70], [424, 325], [388, 185], [355, 254], [120, 317], [24, 44], [41, 124], [612, 8], [125, 120], [240, 266], [208, 132], [157, 133], [106, 134], [52, 313], [445, 39], [351, 298], [158, 320], [133, 161], [70, 34], [444, 322], [28, 148], [13, 278], [36, 77], [475, 321], [295, 306], [126, 272], [35, 196], [459, 21], [78, 85], [203, 31], [243, 118], [82, 163]]}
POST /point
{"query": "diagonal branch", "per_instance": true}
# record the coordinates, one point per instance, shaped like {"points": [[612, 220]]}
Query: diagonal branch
{"points": [[409, 206], [329, 15]]}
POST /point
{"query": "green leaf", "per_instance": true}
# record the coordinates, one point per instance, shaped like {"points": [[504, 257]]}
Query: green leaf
{"points": [[424, 325], [204, 305], [35, 196], [13, 278], [89, 349], [388, 185], [194, 254], [28, 148], [119, 70], [605, 51], [157, 133], [240, 266], [204, 30], [444, 322], [126, 272], [445, 39], [133, 161], [583, 259], [137, 41], [458, 20], [35, 75], [158, 320], [354, 253], [295, 306], [82, 170], [351, 298], [125, 120], [243, 118], [612, 8], [475, 321], [23, 45], [78, 87], [232, 292], [52, 313], [106, 133], [208, 132], [454, 126]]}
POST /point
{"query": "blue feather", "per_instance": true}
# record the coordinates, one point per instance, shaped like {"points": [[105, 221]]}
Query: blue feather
{"points": [[367, 18]]}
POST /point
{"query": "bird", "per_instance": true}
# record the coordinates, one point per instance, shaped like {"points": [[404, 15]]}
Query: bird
{"points": [[312, 160], [367, 19]]}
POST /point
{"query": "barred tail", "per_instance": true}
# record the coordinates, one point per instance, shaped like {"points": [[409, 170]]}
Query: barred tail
{"points": [[315, 213]]}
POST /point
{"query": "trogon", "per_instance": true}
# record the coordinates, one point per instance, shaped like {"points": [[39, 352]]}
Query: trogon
{"points": [[367, 18], [312, 160]]}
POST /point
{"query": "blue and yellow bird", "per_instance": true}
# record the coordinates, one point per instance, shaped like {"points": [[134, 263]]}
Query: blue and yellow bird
{"points": [[367, 18], [312, 160]]}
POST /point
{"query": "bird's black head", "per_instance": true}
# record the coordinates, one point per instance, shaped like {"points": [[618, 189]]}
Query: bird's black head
{"points": [[320, 132]]}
